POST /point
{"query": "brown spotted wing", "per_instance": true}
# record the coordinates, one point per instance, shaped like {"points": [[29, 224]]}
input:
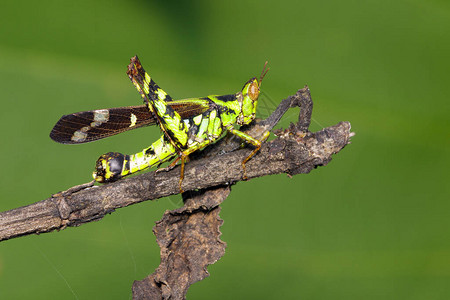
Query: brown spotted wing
{"points": [[88, 126]]}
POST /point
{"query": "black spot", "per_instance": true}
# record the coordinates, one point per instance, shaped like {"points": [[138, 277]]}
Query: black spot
{"points": [[227, 97], [150, 151], [152, 86], [166, 139], [170, 111], [126, 167], [226, 110]]}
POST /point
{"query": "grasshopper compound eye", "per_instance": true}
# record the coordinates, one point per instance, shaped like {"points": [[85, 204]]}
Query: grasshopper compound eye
{"points": [[253, 90]]}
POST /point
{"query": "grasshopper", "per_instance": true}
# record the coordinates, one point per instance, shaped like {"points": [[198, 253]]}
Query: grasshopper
{"points": [[187, 125]]}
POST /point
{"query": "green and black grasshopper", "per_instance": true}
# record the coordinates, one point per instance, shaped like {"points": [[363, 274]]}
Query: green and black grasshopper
{"points": [[188, 125]]}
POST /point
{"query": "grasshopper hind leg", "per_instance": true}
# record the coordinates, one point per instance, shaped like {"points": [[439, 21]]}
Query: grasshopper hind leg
{"points": [[184, 156]]}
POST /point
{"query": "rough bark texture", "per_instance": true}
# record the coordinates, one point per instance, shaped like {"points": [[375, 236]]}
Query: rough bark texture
{"points": [[188, 236], [189, 241]]}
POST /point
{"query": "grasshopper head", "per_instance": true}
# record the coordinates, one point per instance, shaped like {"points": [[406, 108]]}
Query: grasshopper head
{"points": [[250, 94]]}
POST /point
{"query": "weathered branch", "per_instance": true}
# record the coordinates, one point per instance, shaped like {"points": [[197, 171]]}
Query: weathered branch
{"points": [[188, 236]]}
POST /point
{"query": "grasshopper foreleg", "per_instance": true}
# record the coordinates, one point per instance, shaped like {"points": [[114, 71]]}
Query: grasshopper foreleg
{"points": [[250, 140]]}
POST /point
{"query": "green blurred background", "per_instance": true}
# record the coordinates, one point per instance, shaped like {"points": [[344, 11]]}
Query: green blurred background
{"points": [[373, 224]]}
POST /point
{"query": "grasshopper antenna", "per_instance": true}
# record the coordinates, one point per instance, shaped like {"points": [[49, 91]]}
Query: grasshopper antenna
{"points": [[263, 73]]}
